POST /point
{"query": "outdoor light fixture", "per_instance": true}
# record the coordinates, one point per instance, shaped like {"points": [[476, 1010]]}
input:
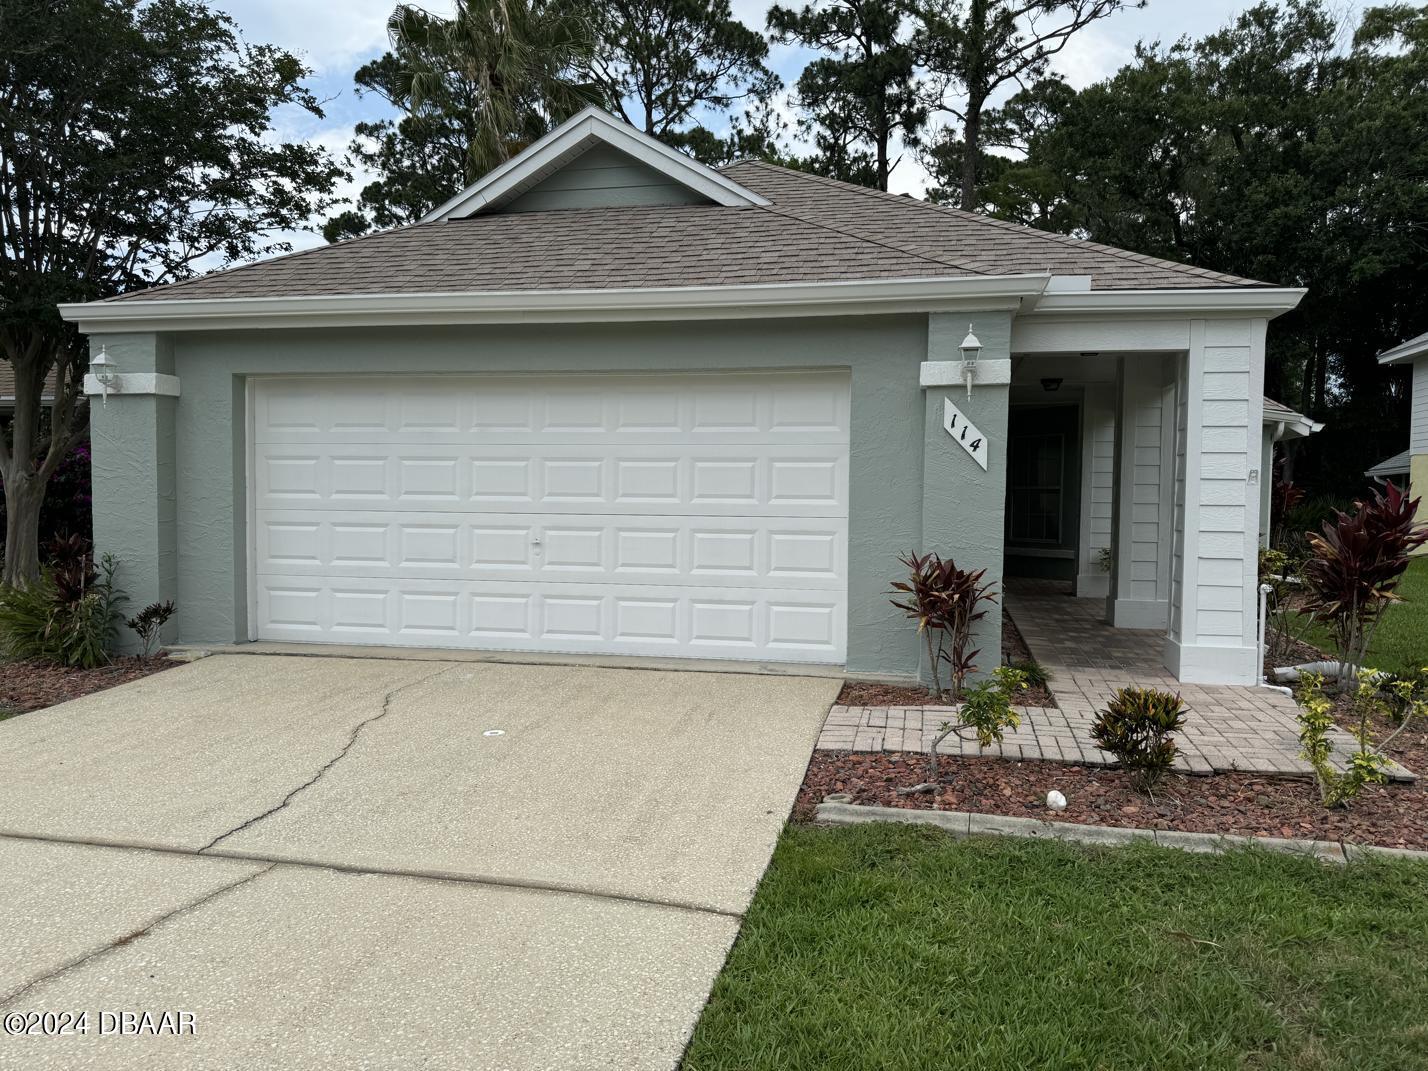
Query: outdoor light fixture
{"points": [[971, 347], [104, 372], [1051, 383]]}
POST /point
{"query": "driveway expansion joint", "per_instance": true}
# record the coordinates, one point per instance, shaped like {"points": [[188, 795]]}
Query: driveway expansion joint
{"points": [[417, 874], [315, 778], [130, 937]]}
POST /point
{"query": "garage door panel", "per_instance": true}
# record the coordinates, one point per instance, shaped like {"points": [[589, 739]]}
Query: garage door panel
{"points": [[699, 516], [751, 408], [775, 552], [576, 619], [653, 479]]}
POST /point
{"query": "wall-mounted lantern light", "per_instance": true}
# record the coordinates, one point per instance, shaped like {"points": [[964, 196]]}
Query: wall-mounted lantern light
{"points": [[104, 372], [971, 348]]}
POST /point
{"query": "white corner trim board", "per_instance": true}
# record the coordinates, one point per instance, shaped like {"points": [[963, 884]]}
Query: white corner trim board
{"points": [[950, 373], [135, 383]]}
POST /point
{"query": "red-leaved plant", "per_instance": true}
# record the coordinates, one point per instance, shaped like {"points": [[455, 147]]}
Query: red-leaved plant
{"points": [[1354, 566], [946, 602]]}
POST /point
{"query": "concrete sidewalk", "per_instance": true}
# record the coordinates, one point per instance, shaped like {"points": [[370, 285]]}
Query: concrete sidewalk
{"points": [[330, 863]]}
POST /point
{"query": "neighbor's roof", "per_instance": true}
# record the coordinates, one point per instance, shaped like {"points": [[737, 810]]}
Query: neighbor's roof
{"points": [[1397, 465], [813, 230], [1406, 351], [1293, 425], [7, 384]]}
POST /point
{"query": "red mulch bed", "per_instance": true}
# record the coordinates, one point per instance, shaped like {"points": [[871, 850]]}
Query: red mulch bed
{"points": [[31, 685], [872, 694], [1248, 804]]}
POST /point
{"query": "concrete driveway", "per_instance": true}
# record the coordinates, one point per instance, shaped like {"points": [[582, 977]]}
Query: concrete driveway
{"points": [[333, 862]]}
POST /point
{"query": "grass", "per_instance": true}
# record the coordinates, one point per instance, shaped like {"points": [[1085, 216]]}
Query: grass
{"points": [[1401, 643], [894, 947]]}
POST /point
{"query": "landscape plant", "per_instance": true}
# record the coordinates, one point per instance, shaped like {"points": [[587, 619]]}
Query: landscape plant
{"points": [[1354, 567], [946, 601], [148, 621], [1138, 727], [70, 615], [986, 712], [1374, 695]]}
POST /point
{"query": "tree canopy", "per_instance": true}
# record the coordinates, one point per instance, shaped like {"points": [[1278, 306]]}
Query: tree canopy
{"points": [[135, 147], [1271, 150]]}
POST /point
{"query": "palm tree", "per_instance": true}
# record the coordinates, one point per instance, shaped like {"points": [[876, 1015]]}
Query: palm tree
{"points": [[517, 61]]}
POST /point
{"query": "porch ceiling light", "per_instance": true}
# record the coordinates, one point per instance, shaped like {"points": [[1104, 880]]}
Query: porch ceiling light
{"points": [[105, 372], [971, 348], [1051, 383]]}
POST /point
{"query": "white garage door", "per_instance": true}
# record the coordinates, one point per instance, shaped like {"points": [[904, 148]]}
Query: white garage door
{"points": [[698, 516]]}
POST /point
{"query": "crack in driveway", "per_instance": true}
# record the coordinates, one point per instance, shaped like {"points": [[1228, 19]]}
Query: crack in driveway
{"points": [[131, 936], [315, 778]]}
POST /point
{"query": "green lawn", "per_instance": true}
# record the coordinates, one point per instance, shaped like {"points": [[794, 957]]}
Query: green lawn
{"points": [[1401, 643], [892, 947]]}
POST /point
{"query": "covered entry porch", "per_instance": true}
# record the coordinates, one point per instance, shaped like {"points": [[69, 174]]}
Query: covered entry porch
{"points": [[1133, 483]]}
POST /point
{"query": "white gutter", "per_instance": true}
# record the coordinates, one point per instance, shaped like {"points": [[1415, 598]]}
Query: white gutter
{"points": [[864, 297], [1244, 300], [1405, 351]]}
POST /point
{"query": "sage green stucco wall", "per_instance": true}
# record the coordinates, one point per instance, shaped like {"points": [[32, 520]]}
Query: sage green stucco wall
{"points": [[173, 474], [885, 493]]}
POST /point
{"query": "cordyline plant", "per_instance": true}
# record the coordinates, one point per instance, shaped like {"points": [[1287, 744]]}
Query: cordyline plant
{"points": [[1354, 567], [946, 602]]}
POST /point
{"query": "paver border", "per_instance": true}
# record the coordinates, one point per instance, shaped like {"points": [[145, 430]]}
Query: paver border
{"points": [[967, 823]]}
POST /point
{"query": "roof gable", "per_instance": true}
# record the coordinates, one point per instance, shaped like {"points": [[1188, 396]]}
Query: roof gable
{"points": [[649, 172]]}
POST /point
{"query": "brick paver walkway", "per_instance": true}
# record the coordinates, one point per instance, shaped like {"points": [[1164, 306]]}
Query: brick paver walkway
{"points": [[1228, 728]]}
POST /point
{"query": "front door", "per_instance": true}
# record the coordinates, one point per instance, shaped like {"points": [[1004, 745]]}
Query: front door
{"points": [[1043, 473]]}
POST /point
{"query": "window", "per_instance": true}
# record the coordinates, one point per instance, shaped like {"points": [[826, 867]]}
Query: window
{"points": [[1035, 478]]}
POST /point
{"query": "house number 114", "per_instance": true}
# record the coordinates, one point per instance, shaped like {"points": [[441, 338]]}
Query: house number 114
{"points": [[964, 432]]}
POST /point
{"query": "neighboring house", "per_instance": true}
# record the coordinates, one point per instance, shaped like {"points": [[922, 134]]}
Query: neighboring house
{"points": [[1410, 468], [1281, 425], [7, 388], [610, 401]]}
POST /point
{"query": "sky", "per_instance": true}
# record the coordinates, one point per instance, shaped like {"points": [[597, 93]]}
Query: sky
{"points": [[335, 38]]}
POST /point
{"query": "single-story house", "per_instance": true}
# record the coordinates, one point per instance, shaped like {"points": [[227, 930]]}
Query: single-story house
{"points": [[610, 401], [1410, 467]]}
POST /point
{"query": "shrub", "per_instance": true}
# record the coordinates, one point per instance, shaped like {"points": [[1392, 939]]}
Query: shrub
{"points": [[986, 711], [1354, 566], [1373, 695], [68, 500], [70, 616], [946, 602], [148, 621], [1136, 727], [1037, 675]]}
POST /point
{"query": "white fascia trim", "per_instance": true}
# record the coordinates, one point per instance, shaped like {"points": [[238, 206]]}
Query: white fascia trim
{"points": [[844, 298], [572, 137], [1235, 301], [1405, 351], [1296, 427]]}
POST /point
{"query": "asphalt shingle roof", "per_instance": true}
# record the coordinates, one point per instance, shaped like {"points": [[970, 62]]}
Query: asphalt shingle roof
{"points": [[815, 230]]}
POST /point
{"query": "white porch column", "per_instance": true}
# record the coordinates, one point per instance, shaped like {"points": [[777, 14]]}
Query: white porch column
{"points": [[1098, 480], [1220, 409], [1144, 487]]}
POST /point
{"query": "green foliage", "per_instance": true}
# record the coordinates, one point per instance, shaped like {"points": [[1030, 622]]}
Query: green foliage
{"points": [[149, 621], [1037, 675], [860, 91], [1356, 562], [661, 62], [137, 141], [1364, 766], [946, 602], [1138, 727], [1287, 147], [69, 616], [986, 710]]}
